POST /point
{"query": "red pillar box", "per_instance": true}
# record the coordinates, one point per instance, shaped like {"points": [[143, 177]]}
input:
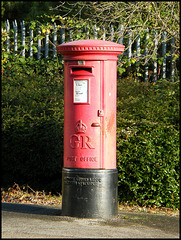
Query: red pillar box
{"points": [[89, 184]]}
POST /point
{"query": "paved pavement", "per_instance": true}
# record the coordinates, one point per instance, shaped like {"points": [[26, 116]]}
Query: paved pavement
{"points": [[33, 221]]}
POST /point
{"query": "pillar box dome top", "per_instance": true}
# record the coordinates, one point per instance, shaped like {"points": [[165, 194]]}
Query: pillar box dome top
{"points": [[90, 50]]}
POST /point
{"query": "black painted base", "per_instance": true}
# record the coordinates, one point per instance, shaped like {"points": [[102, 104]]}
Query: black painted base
{"points": [[89, 193]]}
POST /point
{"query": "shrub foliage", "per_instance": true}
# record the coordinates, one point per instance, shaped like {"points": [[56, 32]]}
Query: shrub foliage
{"points": [[148, 143], [32, 126], [147, 133]]}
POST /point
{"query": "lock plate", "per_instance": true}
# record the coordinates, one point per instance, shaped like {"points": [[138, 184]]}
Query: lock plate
{"points": [[100, 113]]}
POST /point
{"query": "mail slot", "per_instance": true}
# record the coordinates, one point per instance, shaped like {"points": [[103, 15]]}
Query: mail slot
{"points": [[89, 175], [81, 70]]}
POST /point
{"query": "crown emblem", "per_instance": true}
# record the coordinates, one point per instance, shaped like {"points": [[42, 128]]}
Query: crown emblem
{"points": [[80, 127]]}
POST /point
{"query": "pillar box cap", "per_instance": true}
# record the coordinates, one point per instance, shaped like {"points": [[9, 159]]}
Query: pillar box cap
{"points": [[90, 50]]}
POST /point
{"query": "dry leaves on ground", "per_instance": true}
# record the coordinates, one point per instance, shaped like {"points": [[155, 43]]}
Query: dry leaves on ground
{"points": [[153, 210], [26, 194]]}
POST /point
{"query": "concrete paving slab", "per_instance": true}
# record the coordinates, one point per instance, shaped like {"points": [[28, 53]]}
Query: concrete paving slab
{"points": [[34, 221]]}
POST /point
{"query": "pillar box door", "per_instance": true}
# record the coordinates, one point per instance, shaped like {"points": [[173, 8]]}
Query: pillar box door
{"points": [[82, 125]]}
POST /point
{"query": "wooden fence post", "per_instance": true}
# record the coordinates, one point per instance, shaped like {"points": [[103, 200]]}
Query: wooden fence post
{"points": [[38, 44], [164, 48], [138, 41], [95, 31], [129, 46], [146, 52], [46, 44], [23, 32], [112, 33], [54, 40], [62, 37], [70, 35], [7, 30], [15, 28], [120, 34], [87, 32], [155, 56], [104, 34], [31, 43], [172, 59]]}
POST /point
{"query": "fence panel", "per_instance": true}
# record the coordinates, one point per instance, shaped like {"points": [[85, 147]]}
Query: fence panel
{"points": [[129, 37]]}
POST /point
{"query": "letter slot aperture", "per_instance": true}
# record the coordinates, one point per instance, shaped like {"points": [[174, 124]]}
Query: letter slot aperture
{"points": [[81, 70]]}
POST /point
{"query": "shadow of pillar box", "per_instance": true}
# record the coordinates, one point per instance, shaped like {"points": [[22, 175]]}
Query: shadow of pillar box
{"points": [[89, 170]]}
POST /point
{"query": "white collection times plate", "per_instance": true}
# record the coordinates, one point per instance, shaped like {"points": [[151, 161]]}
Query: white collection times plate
{"points": [[80, 91]]}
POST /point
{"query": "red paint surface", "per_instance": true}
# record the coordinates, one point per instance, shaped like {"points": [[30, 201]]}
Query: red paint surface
{"points": [[90, 126]]}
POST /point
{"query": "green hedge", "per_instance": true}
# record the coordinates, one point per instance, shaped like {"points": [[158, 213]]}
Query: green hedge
{"points": [[32, 128], [147, 135], [148, 143]]}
